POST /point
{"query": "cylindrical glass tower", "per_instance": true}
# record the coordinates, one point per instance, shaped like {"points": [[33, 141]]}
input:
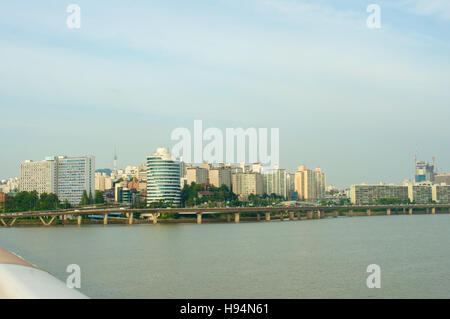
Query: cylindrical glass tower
{"points": [[163, 177]]}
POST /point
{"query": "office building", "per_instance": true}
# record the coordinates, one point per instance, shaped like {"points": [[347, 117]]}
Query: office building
{"points": [[424, 172], [74, 175], [163, 177]]}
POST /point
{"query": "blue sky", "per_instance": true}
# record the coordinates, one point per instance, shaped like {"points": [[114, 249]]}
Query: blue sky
{"points": [[352, 100]]}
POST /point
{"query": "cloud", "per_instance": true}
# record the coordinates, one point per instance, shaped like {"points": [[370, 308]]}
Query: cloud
{"points": [[439, 8]]}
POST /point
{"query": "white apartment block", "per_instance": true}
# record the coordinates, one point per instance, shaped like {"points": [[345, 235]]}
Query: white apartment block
{"points": [[37, 176]]}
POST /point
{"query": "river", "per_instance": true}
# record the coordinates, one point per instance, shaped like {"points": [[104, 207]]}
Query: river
{"points": [[325, 258]]}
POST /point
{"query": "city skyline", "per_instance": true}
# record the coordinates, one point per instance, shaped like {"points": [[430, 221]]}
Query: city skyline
{"points": [[115, 158], [354, 101]]}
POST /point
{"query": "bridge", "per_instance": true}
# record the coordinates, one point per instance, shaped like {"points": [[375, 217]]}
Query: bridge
{"points": [[127, 214]]}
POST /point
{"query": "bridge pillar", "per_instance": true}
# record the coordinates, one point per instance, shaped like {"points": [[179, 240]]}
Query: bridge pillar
{"points": [[428, 210], [3, 222], [404, 211], [258, 217], [130, 218], [267, 217], [281, 216], [317, 215], [155, 218], [336, 214], [11, 224], [79, 220], [105, 219], [433, 210], [309, 214], [298, 216], [388, 211], [369, 212], [51, 221], [228, 218], [291, 215], [410, 210], [236, 217], [199, 218]]}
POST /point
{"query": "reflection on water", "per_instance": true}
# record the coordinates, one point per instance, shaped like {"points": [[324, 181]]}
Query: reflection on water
{"points": [[291, 259]]}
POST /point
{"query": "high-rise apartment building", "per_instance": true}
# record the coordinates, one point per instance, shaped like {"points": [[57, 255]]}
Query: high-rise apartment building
{"points": [[247, 183], [275, 182], [103, 182], [219, 176], [290, 186], [38, 176], [163, 177], [310, 185], [198, 175], [67, 177]]}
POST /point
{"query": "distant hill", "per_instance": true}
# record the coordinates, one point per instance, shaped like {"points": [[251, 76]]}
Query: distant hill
{"points": [[104, 170]]}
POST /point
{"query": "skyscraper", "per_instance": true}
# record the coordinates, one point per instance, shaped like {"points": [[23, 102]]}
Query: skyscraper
{"points": [[309, 185], [163, 177], [74, 175], [424, 172], [275, 182]]}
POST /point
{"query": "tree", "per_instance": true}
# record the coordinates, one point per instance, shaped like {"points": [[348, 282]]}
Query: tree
{"points": [[84, 198], [99, 199]]}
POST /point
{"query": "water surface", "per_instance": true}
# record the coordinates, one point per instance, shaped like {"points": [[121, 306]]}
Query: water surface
{"points": [[290, 259]]}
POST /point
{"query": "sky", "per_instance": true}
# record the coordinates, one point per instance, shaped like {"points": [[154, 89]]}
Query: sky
{"points": [[355, 101]]}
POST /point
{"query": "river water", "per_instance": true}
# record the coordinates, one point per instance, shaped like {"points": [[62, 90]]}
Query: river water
{"points": [[325, 258]]}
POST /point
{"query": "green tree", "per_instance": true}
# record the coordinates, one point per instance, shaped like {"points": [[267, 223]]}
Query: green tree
{"points": [[84, 198], [99, 199]]}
